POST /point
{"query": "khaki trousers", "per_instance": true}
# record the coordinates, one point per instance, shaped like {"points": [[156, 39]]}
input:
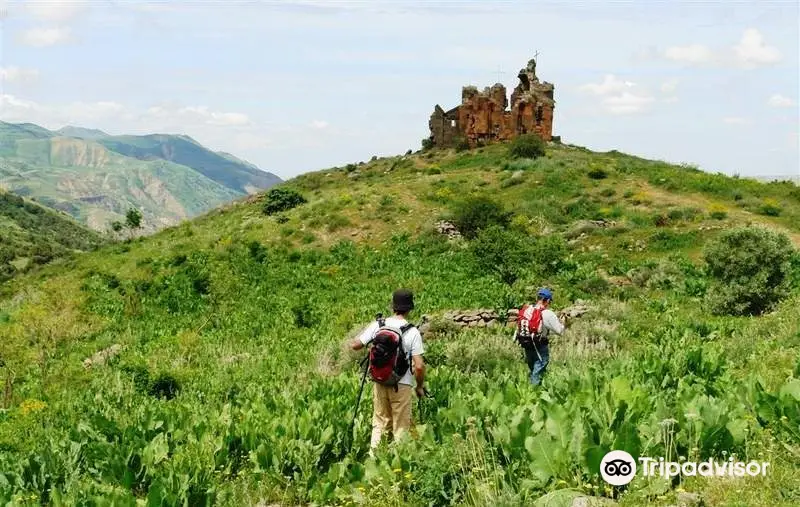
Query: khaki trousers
{"points": [[392, 411]]}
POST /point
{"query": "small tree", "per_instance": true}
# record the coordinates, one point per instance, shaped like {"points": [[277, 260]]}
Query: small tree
{"points": [[477, 213], [427, 143], [133, 218], [749, 269], [527, 146], [282, 199]]}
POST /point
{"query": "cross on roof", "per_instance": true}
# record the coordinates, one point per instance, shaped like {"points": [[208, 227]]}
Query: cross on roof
{"points": [[499, 74]]}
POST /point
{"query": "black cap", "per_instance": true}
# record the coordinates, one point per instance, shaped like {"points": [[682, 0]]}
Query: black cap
{"points": [[402, 301]]}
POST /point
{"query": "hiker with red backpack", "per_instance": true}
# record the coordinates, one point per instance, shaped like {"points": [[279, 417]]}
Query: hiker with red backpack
{"points": [[534, 325], [394, 362]]}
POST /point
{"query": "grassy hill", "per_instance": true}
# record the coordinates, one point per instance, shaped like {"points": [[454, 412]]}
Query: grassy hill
{"points": [[216, 372], [97, 178], [31, 234]]}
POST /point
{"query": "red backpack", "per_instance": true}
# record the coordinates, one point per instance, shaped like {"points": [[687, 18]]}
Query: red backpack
{"points": [[529, 324], [388, 361]]}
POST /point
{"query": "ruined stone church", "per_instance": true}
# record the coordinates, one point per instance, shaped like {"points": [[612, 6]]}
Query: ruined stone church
{"points": [[483, 116]]}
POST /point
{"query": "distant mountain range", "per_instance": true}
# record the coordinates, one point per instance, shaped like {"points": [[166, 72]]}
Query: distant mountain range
{"points": [[97, 177]]}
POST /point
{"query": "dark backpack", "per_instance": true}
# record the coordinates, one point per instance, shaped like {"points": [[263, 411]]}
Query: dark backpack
{"points": [[529, 324], [388, 361]]}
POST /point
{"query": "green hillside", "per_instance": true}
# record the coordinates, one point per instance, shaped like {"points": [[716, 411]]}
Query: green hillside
{"points": [[31, 235], [204, 365], [82, 177]]}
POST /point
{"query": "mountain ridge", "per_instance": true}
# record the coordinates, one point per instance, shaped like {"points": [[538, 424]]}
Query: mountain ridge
{"points": [[96, 177]]}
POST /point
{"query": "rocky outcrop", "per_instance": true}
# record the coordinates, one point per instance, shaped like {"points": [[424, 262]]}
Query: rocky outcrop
{"points": [[448, 229], [102, 357]]}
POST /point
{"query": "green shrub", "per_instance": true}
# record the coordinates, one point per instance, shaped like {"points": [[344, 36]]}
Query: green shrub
{"points": [[597, 174], [501, 252], [770, 208], [477, 213], [427, 143], [527, 146], [335, 221], [282, 199], [593, 285], [718, 213], [461, 144], [749, 269]]}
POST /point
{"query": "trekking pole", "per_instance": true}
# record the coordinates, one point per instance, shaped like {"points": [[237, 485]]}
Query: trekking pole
{"points": [[358, 402]]}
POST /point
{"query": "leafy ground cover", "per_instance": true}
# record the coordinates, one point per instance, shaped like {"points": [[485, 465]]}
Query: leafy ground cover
{"points": [[232, 386]]}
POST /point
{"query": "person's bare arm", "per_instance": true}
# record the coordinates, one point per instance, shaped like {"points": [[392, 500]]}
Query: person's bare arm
{"points": [[356, 344], [419, 374]]}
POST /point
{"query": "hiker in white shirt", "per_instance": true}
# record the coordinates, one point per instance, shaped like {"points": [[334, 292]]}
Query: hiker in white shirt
{"points": [[392, 405], [535, 323]]}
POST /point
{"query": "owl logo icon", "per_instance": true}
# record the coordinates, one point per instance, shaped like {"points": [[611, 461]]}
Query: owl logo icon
{"points": [[618, 468]]}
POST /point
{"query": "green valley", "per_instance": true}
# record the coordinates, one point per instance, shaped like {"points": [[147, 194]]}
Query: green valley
{"points": [[204, 364]]}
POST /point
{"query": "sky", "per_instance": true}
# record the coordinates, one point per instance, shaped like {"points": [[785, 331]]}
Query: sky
{"points": [[306, 85]]}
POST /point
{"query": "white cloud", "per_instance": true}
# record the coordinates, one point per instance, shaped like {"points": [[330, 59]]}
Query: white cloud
{"points": [[198, 114], [735, 120], [11, 101], [16, 109], [13, 74], [618, 96], [670, 86], [203, 114], [319, 124], [627, 103], [693, 54], [752, 51], [55, 10], [43, 37], [610, 84], [778, 100]]}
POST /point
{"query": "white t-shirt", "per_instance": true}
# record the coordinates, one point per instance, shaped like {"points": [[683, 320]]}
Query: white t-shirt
{"points": [[412, 342]]}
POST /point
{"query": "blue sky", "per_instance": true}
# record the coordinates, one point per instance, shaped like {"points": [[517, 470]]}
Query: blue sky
{"points": [[300, 86]]}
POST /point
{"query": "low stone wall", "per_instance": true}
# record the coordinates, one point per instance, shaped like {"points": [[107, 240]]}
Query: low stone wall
{"points": [[486, 317]]}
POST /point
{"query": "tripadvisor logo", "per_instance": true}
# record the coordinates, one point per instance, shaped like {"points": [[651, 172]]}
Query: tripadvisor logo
{"points": [[619, 468]]}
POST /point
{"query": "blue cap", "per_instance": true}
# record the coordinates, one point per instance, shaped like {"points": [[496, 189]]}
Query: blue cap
{"points": [[546, 294]]}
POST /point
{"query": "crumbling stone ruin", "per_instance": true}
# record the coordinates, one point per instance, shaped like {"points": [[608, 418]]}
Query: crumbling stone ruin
{"points": [[483, 116]]}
